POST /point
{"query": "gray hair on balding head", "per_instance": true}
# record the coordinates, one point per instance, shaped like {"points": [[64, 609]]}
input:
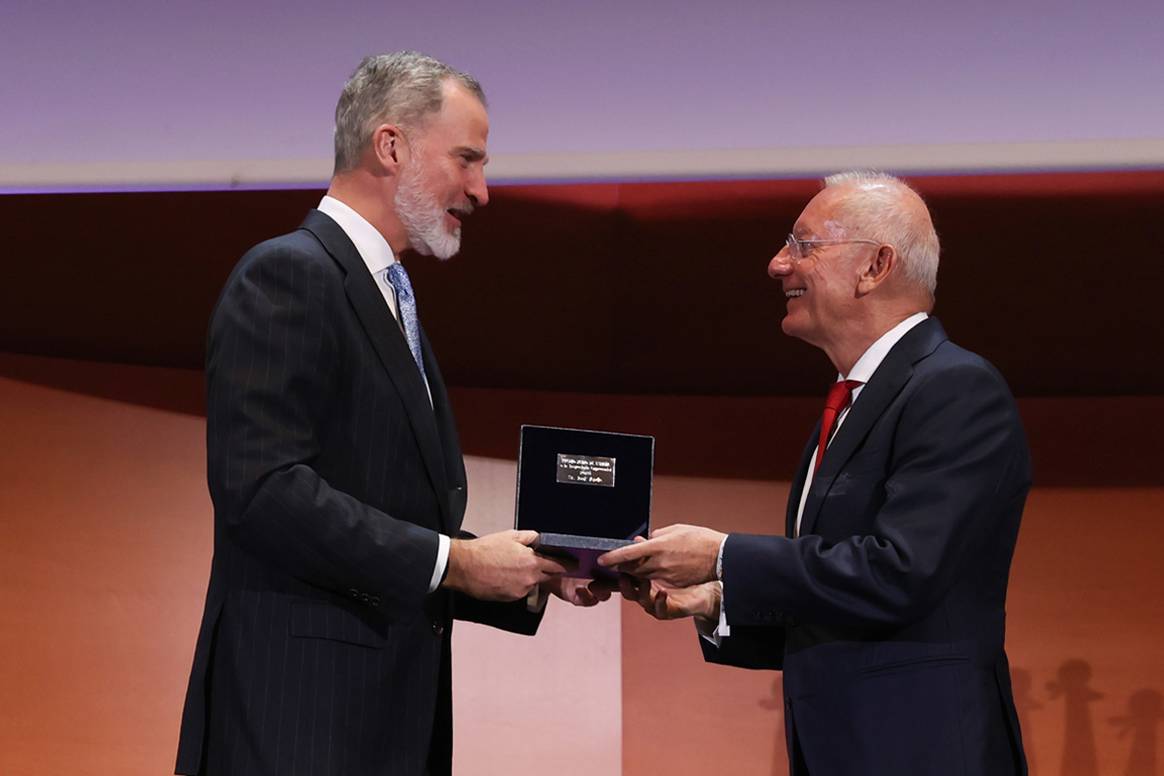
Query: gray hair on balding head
{"points": [[878, 214], [398, 88]]}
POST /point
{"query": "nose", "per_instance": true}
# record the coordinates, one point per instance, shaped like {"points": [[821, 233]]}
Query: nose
{"points": [[477, 190], [781, 264]]}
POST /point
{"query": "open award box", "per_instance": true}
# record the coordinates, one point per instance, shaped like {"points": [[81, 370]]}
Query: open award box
{"points": [[584, 492]]}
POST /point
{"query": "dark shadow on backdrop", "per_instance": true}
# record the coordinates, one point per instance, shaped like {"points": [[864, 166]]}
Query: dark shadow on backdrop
{"points": [[1073, 685], [1145, 711]]}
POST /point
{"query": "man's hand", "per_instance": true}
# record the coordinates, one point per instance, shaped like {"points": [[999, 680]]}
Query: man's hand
{"points": [[670, 603], [678, 555], [498, 567], [580, 592]]}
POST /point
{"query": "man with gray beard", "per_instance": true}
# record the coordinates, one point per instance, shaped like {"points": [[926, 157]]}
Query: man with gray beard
{"points": [[334, 467]]}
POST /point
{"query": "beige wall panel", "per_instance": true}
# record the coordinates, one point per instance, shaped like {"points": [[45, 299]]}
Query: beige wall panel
{"points": [[104, 556], [547, 704]]}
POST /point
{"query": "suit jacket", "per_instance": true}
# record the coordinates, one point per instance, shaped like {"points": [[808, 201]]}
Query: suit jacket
{"points": [[887, 615], [320, 650]]}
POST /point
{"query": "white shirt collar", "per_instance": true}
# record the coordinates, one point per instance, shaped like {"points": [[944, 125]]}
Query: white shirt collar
{"points": [[871, 359], [370, 244]]}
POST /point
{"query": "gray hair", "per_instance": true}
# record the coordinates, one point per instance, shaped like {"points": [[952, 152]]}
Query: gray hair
{"points": [[878, 214], [398, 88]]}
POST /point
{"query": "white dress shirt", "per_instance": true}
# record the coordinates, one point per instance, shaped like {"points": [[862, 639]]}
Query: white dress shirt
{"points": [[378, 256], [862, 371]]}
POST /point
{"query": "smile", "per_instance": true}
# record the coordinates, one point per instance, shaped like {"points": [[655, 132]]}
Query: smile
{"points": [[792, 293]]}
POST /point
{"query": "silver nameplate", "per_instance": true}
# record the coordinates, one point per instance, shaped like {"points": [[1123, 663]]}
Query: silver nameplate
{"points": [[586, 469]]}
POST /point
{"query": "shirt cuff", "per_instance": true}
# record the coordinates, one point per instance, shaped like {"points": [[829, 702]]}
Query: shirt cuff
{"points": [[442, 561], [536, 600], [721, 631]]}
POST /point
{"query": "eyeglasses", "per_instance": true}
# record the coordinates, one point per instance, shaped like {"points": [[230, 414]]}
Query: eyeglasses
{"points": [[799, 250]]}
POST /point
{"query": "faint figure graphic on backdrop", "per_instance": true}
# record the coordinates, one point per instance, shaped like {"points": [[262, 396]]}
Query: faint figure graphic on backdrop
{"points": [[1025, 702], [1072, 685], [1145, 710], [775, 702]]}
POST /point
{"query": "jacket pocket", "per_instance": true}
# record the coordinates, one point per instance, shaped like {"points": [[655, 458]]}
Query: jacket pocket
{"points": [[914, 664], [320, 620]]}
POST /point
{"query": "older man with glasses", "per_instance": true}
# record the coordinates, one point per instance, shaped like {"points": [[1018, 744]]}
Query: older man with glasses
{"points": [[883, 601]]}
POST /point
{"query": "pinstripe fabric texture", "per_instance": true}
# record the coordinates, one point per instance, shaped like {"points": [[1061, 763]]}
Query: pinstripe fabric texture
{"points": [[320, 650]]}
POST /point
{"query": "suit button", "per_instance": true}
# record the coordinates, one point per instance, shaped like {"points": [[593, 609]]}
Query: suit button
{"points": [[353, 593], [438, 628], [375, 601]]}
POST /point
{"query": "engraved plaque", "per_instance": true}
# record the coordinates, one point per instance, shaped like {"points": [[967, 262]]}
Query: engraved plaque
{"points": [[586, 469]]}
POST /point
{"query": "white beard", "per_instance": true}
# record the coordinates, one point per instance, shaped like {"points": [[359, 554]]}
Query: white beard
{"points": [[423, 219]]}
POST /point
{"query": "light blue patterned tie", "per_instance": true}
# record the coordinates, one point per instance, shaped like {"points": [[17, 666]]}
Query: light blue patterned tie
{"points": [[407, 304]]}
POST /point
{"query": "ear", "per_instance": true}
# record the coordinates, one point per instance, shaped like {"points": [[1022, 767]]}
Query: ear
{"points": [[389, 147], [877, 269]]}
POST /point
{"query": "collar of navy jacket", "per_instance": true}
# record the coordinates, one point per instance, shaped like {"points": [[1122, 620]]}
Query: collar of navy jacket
{"points": [[886, 383], [392, 348]]}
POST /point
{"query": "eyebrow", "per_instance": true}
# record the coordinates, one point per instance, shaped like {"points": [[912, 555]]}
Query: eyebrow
{"points": [[471, 153]]}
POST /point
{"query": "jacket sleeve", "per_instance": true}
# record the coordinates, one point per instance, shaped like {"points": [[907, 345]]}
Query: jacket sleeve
{"points": [[761, 648], [272, 358]]}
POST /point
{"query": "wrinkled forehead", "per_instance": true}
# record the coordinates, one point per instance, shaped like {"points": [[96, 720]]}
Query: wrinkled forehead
{"points": [[821, 217]]}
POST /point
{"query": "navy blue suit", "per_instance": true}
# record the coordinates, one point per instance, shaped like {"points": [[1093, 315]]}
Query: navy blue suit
{"points": [[321, 651], [887, 615]]}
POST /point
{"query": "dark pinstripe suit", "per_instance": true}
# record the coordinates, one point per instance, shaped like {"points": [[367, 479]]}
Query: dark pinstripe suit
{"points": [[320, 650]]}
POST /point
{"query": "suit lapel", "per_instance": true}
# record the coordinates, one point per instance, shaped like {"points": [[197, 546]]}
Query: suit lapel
{"points": [[887, 381], [388, 341]]}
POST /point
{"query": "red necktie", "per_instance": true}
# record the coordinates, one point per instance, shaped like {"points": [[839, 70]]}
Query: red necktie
{"points": [[837, 400]]}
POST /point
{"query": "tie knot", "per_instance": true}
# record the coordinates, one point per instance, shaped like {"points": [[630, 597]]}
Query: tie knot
{"points": [[839, 394]]}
